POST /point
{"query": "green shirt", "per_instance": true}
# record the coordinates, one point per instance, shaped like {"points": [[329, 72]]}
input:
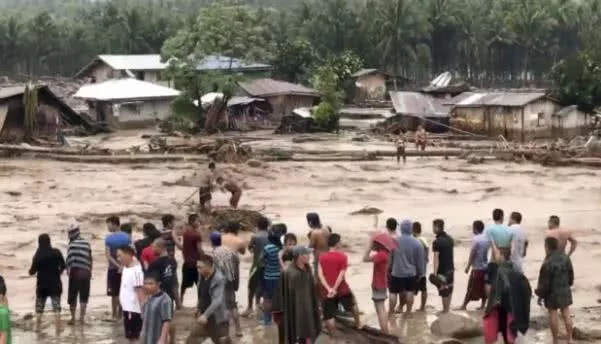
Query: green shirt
{"points": [[5, 324]]}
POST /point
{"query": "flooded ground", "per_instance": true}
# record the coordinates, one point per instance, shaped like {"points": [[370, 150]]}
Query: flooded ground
{"points": [[43, 196]]}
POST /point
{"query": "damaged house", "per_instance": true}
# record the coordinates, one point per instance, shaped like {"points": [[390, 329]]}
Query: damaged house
{"points": [[51, 114], [282, 96], [373, 84], [128, 103], [518, 116], [413, 109], [149, 67]]}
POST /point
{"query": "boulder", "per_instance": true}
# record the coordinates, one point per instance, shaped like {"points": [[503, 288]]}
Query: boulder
{"points": [[456, 325]]}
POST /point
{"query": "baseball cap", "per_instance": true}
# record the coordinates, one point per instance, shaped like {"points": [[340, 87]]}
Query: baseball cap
{"points": [[301, 251]]}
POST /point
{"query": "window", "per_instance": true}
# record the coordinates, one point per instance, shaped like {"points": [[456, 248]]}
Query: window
{"points": [[540, 120], [140, 75], [133, 108]]}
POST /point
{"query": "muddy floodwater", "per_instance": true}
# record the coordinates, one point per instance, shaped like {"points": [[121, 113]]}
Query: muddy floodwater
{"points": [[43, 196]]}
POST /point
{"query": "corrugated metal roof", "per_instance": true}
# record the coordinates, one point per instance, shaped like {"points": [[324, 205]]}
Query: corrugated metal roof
{"points": [[458, 98], [8, 92], [270, 87], [364, 71], [303, 112], [417, 104], [125, 89], [443, 80], [242, 101], [153, 62], [510, 99], [350, 112], [566, 110]]}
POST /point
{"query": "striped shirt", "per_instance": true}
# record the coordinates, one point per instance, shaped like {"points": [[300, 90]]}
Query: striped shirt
{"points": [[271, 262], [227, 262], [79, 255]]}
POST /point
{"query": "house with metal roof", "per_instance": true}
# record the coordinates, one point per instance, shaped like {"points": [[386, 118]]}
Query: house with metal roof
{"points": [[283, 96], [571, 121], [373, 84], [517, 116], [413, 109], [127, 103], [149, 67], [52, 114]]}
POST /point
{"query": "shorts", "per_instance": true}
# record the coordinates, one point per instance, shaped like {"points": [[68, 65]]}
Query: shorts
{"points": [[190, 275], [491, 273], [113, 282], [378, 295], [230, 297], [254, 282], [268, 288], [421, 285], [132, 323], [235, 199], [78, 287], [402, 285], [330, 306], [40, 303], [204, 195], [215, 332], [444, 286], [559, 299]]}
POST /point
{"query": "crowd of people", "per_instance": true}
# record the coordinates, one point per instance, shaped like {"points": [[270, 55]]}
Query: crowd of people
{"points": [[299, 288]]}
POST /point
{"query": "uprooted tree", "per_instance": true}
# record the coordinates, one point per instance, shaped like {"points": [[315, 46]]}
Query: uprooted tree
{"points": [[231, 31]]}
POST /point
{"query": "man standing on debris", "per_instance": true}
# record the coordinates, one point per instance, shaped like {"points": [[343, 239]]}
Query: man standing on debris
{"points": [[406, 266], [205, 189], [257, 243], [563, 236], [232, 187], [295, 303], [79, 269], [554, 289], [443, 264], [399, 143], [113, 241], [421, 138]]}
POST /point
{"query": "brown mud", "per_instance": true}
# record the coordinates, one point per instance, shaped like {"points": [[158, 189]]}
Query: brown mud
{"points": [[46, 196]]}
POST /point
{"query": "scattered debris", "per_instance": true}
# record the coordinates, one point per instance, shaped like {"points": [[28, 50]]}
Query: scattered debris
{"points": [[14, 193], [220, 217]]}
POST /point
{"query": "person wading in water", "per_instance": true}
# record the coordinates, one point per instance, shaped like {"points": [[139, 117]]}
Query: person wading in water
{"points": [[205, 189], [233, 188]]}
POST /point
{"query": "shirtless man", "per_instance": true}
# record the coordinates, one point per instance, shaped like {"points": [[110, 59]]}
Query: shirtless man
{"points": [[563, 236], [206, 186], [231, 240], [231, 187], [421, 138], [318, 237], [399, 142]]}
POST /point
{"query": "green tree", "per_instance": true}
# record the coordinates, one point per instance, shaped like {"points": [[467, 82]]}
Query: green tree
{"points": [[578, 81]]}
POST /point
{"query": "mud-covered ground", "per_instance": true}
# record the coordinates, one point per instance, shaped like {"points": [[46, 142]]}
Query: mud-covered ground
{"points": [[42, 196]]}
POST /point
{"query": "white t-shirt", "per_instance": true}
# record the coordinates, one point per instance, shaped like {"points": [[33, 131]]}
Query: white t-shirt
{"points": [[131, 278], [518, 245]]}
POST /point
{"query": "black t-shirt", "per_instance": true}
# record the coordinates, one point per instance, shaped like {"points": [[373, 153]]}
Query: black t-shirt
{"points": [[443, 244], [141, 244], [166, 267]]}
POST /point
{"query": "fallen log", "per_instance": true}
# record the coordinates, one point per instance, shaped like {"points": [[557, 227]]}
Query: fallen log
{"points": [[348, 333], [48, 150], [124, 159]]}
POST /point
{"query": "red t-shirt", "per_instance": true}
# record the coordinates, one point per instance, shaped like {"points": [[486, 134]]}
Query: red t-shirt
{"points": [[148, 256], [190, 246], [332, 263], [380, 275]]}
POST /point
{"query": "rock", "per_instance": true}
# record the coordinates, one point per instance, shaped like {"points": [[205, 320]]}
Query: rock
{"points": [[254, 163], [457, 326], [14, 193], [360, 138], [367, 211], [449, 341]]}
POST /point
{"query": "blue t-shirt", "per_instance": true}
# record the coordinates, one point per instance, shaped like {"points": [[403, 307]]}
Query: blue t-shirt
{"points": [[271, 259], [114, 241], [480, 247], [498, 233]]}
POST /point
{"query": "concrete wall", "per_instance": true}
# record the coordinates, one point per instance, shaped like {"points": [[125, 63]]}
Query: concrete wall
{"points": [[507, 121], [571, 124], [133, 115]]}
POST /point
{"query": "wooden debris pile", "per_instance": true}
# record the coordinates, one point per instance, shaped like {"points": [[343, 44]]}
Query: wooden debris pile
{"points": [[220, 150], [220, 217]]}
